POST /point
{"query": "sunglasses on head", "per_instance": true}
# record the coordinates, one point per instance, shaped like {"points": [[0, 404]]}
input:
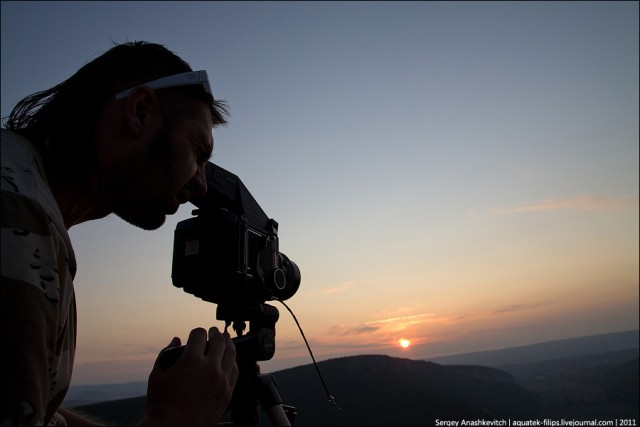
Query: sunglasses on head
{"points": [[181, 79]]}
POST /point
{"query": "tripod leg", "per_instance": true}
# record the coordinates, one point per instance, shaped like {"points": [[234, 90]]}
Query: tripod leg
{"points": [[271, 401], [277, 416], [244, 403]]}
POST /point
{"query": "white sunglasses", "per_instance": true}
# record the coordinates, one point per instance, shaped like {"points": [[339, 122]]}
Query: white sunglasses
{"points": [[182, 79]]}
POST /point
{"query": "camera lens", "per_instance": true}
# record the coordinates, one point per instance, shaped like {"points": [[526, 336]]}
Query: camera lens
{"points": [[288, 281], [279, 279]]}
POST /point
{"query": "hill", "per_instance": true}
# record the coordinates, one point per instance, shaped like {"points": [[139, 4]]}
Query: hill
{"points": [[583, 378], [380, 390], [540, 352], [603, 386], [87, 394]]}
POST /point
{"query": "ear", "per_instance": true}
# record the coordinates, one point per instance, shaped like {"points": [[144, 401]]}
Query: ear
{"points": [[141, 110]]}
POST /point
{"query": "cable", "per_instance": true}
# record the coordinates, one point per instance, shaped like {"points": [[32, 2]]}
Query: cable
{"points": [[326, 389]]}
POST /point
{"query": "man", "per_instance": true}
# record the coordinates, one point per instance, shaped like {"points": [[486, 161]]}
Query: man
{"points": [[130, 134]]}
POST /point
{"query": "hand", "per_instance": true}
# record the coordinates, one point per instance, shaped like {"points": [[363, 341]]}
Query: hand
{"points": [[197, 389]]}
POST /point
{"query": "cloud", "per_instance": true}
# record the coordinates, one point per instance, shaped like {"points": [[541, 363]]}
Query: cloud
{"points": [[584, 202], [384, 329], [409, 319], [515, 308], [337, 288], [388, 328], [350, 330]]}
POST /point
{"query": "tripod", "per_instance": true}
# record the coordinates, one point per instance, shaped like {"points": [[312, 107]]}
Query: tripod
{"points": [[254, 389]]}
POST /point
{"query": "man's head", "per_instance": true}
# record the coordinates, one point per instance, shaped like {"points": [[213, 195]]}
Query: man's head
{"points": [[132, 126]]}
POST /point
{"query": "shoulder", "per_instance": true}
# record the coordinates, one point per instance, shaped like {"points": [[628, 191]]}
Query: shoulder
{"points": [[33, 230], [23, 180], [22, 171]]}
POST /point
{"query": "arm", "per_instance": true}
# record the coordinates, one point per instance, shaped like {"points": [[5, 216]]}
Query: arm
{"points": [[37, 303]]}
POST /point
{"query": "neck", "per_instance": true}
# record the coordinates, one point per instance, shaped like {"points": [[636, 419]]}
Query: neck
{"points": [[78, 202]]}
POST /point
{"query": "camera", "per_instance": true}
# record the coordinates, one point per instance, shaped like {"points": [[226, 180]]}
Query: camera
{"points": [[228, 253]]}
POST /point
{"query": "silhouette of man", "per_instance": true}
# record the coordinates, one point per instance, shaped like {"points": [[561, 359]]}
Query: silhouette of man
{"points": [[129, 133]]}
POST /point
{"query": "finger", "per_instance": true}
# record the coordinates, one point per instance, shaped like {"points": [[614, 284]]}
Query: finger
{"points": [[231, 347], [196, 343], [229, 360], [175, 342], [216, 345]]}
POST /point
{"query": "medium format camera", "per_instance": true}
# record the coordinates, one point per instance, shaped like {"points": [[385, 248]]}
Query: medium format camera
{"points": [[228, 253]]}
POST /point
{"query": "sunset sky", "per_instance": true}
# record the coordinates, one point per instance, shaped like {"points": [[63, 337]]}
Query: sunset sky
{"points": [[463, 176]]}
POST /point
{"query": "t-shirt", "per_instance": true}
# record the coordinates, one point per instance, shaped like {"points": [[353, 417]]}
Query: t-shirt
{"points": [[38, 308]]}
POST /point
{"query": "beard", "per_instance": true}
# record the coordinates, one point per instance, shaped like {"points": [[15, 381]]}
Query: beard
{"points": [[142, 184]]}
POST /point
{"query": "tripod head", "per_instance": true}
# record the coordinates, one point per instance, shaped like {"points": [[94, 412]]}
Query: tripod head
{"points": [[260, 342]]}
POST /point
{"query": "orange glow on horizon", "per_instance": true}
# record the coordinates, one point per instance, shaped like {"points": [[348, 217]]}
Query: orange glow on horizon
{"points": [[404, 343]]}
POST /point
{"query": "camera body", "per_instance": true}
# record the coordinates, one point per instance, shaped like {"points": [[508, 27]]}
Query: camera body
{"points": [[228, 253]]}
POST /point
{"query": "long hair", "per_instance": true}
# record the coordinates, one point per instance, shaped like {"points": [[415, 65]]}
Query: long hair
{"points": [[61, 121]]}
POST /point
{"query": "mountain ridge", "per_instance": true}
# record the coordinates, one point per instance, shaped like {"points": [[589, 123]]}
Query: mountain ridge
{"points": [[385, 390], [498, 358], [546, 350], [379, 390]]}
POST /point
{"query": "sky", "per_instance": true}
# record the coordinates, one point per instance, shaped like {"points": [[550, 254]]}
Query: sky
{"points": [[463, 176]]}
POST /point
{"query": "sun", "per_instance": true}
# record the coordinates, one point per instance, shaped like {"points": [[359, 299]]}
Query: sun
{"points": [[404, 343]]}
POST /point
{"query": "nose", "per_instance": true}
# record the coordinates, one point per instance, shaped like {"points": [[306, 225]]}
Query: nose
{"points": [[199, 185]]}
